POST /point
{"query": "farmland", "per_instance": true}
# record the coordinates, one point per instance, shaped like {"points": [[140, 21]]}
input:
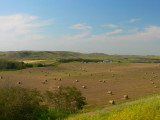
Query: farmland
{"points": [[134, 79]]}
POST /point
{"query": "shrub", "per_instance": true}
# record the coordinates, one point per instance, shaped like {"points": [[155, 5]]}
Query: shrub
{"points": [[68, 99], [55, 115], [39, 65], [18, 103], [5, 64], [78, 60]]}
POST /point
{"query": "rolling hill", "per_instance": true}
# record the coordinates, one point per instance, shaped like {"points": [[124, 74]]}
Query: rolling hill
{"points": [[55, 55]]}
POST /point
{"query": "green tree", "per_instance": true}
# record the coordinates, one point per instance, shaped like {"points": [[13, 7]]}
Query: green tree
{"points": [[18, 103], [68, 99]]}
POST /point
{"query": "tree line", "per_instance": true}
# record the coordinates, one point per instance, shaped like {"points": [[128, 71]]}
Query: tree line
{"points": [[5, 65], [78, 60]]}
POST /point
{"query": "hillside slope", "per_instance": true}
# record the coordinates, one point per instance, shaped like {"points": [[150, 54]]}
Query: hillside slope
{"points": [[142, 109], [54, 55], [38, 54]]}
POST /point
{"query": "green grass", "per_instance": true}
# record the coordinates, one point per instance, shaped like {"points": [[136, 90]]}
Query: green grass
{"points": [[146, 109]]}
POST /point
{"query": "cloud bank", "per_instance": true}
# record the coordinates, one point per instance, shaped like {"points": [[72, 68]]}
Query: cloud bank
{"points": [[18, 31], [22, 32], [142, 42]]}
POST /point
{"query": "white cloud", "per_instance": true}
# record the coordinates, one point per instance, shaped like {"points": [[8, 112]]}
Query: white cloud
{"points": [[133, 30], [140, 42], [19, 24], [81, 27], [133, 43], [150, 33], [19, 31], [76, 37], [114, 32], [110, 25], [133, 20]]}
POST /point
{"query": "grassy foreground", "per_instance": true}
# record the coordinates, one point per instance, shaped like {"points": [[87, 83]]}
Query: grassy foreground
{"points": [[147, 109]]}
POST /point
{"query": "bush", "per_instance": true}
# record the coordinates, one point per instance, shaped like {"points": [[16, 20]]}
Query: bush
{"points": [[18, 103], [68, 99], [78, 60], [5, 64], [55, 115], [39, 65]]}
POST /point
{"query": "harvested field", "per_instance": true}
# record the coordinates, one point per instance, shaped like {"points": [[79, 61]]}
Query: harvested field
{"points": [[132, 79]]}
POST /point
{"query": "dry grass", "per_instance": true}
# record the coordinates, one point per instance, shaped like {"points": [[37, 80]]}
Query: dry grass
{"points": [[144, 109], [129, 78], [32, 61]]}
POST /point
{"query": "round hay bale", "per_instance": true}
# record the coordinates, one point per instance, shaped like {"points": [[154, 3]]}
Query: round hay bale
{"points": [[109, 92], [111, 102], [19, 83], [125, 96], [54, 78], [104, 81], [1, 77], [46, 80], [155, 86], [58, 87], [152, 82], [77, 81], [60, 79], [84, 87], [100, 80]]}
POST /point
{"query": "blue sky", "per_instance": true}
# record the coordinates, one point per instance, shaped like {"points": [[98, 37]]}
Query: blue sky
{"points": [[105, 26]]}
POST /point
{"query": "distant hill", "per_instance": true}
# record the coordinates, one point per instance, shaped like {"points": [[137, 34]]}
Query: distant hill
{"points": [[38, 55], [49, 55], [55, 55]]}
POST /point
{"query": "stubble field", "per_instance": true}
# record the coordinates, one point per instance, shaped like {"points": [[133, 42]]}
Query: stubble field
{"points": [[132, 79]]}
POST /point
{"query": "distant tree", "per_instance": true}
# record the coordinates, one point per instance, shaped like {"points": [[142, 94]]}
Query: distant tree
{"points": [[39, 65], [5, 64], [68, 99]]}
